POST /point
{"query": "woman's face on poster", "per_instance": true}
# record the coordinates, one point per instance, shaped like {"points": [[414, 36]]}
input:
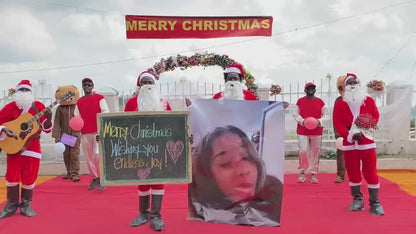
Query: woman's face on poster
{"points": [[233, 169]]}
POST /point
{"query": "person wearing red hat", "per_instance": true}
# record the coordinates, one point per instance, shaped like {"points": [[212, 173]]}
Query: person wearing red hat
{"points": [[148, 99], [89, 106], [233, 76], [22, 167], [358, 144], [309, 139]]}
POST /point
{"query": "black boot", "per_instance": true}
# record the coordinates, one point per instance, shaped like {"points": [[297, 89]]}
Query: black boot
{"points": [[25, 208], [143, 217], [375, 206], [94, 183], [156, 222], [357, 202], [100, 187], [12, 202]]}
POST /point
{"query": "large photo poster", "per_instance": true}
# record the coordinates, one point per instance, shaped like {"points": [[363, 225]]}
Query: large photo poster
{"points": [[237, 157]]}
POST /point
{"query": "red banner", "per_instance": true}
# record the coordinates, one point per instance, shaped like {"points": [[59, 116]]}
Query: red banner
{"points": [[156, 27]]}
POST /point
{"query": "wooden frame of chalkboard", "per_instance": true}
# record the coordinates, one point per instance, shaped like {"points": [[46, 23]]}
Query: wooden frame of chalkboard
{"points": [[138, 148]]}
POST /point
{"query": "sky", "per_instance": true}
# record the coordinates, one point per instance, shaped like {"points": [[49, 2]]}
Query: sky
{"points": [[61, 42]]}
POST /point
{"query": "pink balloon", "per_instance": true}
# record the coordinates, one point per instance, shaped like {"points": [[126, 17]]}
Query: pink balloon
{"points": [[76, 123], [310, 123]]}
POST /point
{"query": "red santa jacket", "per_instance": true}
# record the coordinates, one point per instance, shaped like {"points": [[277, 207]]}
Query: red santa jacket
{"points": [[248, 95], [343, 120], [310, 108], [131, 104], [11, 112], [88, 108]]}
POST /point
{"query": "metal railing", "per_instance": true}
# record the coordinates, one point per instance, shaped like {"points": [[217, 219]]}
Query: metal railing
{"points": [[177, 91]]}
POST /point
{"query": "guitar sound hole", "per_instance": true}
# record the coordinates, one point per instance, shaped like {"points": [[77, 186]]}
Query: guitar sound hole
{"points": [[24, 126]]}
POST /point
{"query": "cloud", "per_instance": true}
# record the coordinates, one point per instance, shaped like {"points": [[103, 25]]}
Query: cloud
{"points": [[24, 36], [310, 39]]}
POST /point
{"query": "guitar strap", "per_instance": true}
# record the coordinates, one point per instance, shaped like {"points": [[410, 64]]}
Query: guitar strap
{"points": [[36, 112]]}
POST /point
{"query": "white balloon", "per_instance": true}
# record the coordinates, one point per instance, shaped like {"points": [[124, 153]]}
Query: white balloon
{"points": [[59, 148], [338, 143]]}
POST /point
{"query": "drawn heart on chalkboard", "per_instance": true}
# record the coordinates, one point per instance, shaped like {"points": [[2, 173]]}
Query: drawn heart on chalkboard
{"points": [[175, 149], [143, 173]]}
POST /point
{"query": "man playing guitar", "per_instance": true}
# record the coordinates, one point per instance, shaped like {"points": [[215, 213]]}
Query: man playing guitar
{"points": [[23, 166]]}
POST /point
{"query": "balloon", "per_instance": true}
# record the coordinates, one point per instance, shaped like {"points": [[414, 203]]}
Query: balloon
{"points": [[310, 123], [76, 123], [59, 148], [338, 143]]}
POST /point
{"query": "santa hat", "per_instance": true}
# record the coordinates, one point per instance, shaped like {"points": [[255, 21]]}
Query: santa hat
{"points": [[145, 74], [341, 84], [349, 76], [87, 80], [309, 84], [235, 68], [24, 84]]}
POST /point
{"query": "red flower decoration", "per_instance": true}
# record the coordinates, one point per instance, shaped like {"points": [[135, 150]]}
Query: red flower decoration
{"points": [[11, 91], [275, 89], [365, 121], [376, 85]]}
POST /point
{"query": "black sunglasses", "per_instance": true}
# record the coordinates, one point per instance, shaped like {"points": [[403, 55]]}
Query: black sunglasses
{"points": [[87, 85]]}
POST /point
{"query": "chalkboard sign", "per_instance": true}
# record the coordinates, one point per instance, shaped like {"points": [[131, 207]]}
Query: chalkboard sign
{"points": [[138, 148]]}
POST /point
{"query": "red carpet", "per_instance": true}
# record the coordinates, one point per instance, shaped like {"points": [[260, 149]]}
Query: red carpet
{"points": [[67, 207]]}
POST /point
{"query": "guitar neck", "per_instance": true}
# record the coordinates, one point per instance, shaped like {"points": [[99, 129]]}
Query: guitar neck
{"points": [[39, 114], [62, 98]]}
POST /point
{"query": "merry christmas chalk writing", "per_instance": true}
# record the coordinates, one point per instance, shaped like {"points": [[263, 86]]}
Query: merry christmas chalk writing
{"points": [[144, 148], [136, 131], [122, 148], [129, 162]]}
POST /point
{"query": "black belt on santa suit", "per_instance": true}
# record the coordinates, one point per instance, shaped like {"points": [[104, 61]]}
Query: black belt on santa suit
{"points": [[36, 137]]}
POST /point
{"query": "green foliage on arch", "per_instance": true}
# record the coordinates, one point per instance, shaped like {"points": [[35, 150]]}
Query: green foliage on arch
{"points": [[204, 60]]}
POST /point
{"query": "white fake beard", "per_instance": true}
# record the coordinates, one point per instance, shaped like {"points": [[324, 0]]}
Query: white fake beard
{"points": [[233, 90], [23, 99], [354, 95], [149, 99]]}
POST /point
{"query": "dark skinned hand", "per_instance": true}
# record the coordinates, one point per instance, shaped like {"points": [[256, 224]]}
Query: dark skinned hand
{"points": [[188, 102], [285, 104], [191, 139], [97, 137], [9, 132], [357, 136], [48, 113]]}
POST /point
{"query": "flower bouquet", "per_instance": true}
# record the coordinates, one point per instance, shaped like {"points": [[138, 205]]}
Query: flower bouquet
{"points": [[275, 89], [11, 92], [376, 88], [366, 124]]}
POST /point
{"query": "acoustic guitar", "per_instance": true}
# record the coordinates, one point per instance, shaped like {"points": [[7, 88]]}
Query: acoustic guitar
{"points": [[26, 127]]}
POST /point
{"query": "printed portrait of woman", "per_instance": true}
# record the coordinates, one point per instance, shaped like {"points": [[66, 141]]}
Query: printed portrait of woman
{"points": [[230, 184]]}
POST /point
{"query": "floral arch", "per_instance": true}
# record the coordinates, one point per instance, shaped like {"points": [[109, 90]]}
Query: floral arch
{"points": [[204, 60]]}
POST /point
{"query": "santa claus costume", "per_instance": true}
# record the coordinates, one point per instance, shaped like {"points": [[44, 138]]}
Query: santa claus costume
{"points": [[359, 151], [148, 100], [22, 167], [233, 87]]}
